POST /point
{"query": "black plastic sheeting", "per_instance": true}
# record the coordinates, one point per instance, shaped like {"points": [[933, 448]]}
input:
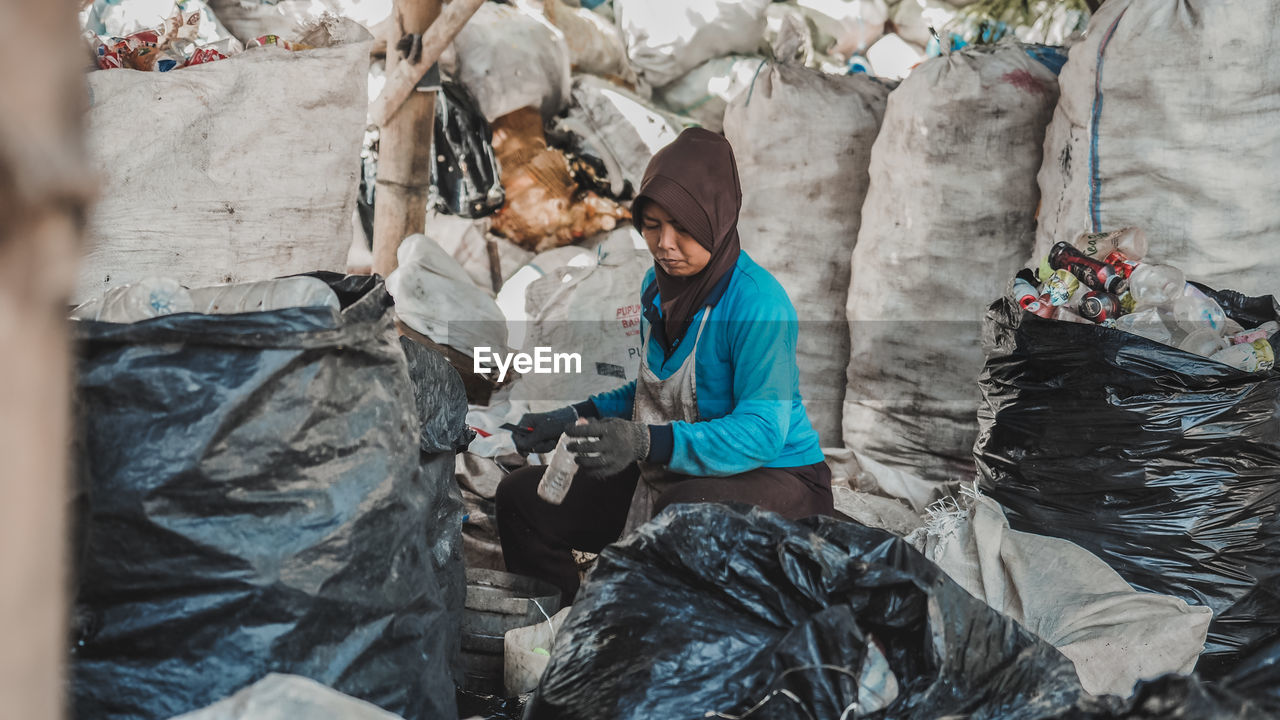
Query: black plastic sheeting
{"points": [[441, 400], [1163, 463], [465, 177], [719, 609], [257, 502]]}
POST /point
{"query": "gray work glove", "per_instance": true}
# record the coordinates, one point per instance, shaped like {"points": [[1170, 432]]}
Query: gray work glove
{"points": [[539, 432], [606, 447]]}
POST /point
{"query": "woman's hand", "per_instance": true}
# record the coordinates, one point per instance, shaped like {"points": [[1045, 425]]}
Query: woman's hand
{"points": [[606, 447], [539, 432]]}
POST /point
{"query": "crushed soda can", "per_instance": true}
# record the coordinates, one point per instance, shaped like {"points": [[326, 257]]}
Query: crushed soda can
{"points": [[1100, 306]]}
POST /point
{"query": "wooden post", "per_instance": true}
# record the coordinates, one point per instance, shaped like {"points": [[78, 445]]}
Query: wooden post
{"points": [[44, 191], [404, 151]]}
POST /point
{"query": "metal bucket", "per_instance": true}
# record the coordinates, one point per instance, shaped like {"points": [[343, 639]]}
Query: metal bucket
{"points": [[497, 602]]}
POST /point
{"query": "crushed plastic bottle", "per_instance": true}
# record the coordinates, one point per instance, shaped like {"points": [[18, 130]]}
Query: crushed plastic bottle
{"points": [[558, 478], [1156, 285], [1146, 323], [1193, 312], [1125, 245], [1257, 356], [1204, 342], [148, 298]]}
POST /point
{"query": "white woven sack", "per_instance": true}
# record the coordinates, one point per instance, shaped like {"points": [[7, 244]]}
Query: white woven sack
{"points": [[622, 128], [511, 58], [1183, 143], [667, 38], [803, 141], [948, 219], [244, 168], [1113, 634], [251, 19], [590, 307], [705, 92]]}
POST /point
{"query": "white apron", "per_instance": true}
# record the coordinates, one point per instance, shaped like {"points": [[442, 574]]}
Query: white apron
{"points": [[659, 402]]}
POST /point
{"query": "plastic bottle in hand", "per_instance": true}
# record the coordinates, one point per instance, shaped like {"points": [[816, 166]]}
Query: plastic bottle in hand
{"points": [[556, 481], [1156, 285], [1126, 245]]}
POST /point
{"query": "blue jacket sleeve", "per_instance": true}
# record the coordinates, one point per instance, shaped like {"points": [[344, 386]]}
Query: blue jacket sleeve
{"points": [[617, 402], [762, 341]]}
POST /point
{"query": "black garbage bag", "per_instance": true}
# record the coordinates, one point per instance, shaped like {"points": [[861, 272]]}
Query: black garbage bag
{"points": [[258, 502], [1257, 678], [465, 177], [1164, 464], [714, 611], [441, 399]]}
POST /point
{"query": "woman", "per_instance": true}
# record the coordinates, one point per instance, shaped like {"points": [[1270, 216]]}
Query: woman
{"points": [[715, 414]]}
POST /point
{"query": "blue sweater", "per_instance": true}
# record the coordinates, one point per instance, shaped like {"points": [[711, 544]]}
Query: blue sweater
{"points": [[748, 384]]}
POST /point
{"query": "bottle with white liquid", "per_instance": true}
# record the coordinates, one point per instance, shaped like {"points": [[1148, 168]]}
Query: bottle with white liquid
{"points": [[556, 481]]}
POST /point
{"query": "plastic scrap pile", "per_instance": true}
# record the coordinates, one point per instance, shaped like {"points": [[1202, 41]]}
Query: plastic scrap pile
{"points": [[1139, 423], [177, 42], [1108, 279], [1120, 408], [739, 613]]}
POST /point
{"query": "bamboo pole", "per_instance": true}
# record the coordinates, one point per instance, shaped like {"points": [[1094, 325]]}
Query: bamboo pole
{"points": [[44, 193], [404, 147], [402, 79]]}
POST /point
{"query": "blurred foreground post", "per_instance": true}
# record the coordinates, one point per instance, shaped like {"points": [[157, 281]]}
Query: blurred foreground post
{"points": [[404, 148], [44, 192]]}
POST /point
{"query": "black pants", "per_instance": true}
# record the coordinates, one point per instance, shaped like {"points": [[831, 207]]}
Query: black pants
{"points": [[538, 537]]}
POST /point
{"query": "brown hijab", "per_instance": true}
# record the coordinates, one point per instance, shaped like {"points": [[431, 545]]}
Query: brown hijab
{"points": [[695, 179]]}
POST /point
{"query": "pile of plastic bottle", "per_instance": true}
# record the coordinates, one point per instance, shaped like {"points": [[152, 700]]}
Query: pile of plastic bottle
{"points": [[1105, 278]]}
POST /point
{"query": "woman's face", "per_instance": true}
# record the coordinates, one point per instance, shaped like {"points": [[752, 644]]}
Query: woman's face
{"points": [[673, 248]]}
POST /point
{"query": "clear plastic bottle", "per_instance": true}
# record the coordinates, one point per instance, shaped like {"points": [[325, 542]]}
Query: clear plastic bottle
{"points": [[1193, 312], [1203, 342], [1066, 314], [1146, 323], [1128, 244], [145, 299], [1156, 285], [556, 481]]}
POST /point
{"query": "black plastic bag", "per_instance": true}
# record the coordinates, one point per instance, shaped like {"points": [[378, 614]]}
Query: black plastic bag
{"points": [[465, 177], [441, 400], [258, 502], [720, 611], [1164, 464]]}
